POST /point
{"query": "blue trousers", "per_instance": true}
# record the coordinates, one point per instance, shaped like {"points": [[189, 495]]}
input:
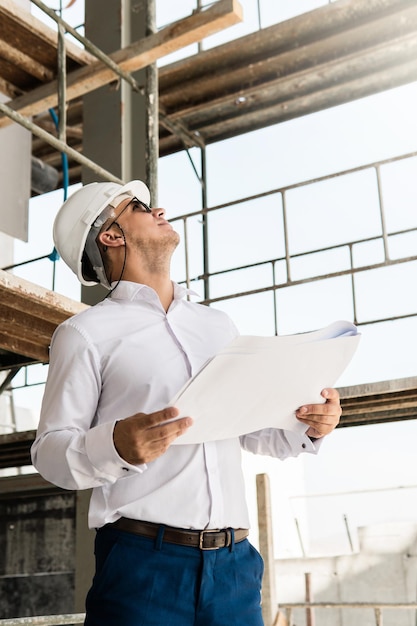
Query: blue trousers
{"points": [[146, 582]]}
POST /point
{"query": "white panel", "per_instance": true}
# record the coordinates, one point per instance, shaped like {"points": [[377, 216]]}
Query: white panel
{"points": [[15, 174]]}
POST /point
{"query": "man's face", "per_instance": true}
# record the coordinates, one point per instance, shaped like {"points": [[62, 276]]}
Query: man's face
{"points": [[143, 226]]}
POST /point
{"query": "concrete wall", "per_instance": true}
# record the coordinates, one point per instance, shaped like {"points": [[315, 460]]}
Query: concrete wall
{"points": [[384, 570], [37, 559]]}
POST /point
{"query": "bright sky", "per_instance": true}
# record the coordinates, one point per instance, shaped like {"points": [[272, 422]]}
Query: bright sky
{"points": [[359, 469]]}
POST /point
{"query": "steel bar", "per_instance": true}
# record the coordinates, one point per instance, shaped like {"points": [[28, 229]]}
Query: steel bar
{"points": [[57, 144], [97, 52], [286, 238], [311, 279], [206, 259], [303, 183], [62, 86], [382, 213], [349, 271], [402, 606], [353, 286]]}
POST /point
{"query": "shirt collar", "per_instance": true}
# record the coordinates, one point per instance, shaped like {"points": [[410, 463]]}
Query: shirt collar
{"points": [[127, 290]]}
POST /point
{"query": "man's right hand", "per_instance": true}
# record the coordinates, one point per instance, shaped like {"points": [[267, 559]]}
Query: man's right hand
{"points": [[143, 437]]}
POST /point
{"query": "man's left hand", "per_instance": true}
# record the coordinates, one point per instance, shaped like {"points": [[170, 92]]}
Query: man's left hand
{"points": [[322, 419]]}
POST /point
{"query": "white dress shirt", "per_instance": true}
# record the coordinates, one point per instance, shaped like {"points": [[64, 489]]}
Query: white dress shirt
{"points": [[124, 356]]}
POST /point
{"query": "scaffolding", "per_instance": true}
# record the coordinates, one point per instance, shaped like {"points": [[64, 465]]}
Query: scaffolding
{"points": [[320, 64]]}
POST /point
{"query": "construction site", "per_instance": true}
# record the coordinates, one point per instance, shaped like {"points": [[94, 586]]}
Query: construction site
{"points": [[228, 110]]}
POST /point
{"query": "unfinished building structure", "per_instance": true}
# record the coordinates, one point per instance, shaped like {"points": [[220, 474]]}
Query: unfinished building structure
{"points": [[334, 54]]}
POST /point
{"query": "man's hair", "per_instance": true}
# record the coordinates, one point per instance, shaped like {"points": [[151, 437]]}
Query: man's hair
{"points": [[87, 268]]}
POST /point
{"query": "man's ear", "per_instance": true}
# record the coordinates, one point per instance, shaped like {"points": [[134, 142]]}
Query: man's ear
{"points": [[111, 239]]}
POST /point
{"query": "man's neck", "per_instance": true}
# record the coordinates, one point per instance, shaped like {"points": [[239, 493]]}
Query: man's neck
{"points": [[151, 269], [160, 283]]}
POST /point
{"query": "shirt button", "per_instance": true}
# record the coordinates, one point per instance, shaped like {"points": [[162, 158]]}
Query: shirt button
{"points": [[303, 445]]}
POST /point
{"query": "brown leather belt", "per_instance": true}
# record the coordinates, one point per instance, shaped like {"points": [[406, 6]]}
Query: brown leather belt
{"points": [[203, 539]]}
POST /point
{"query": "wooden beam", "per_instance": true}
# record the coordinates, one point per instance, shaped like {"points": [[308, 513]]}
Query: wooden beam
{"points": [[17, 325], [25, 62], [275, 113], [23, 348], [292, 34], [352, 50], [12, 15], [266, 548], [31, 313], [280, 97], [25, 296], [132, 58], [280, 620], [374, 403], [8, 89]]}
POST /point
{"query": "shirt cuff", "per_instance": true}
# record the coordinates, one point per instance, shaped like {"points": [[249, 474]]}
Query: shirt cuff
{"points": [[101, 452], [302, 443]]}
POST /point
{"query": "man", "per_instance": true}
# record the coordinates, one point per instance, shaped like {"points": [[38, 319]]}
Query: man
{"points": [[171, 542]]}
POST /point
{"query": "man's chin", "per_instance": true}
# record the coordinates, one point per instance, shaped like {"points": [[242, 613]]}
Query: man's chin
{"points": [[175, 237]]}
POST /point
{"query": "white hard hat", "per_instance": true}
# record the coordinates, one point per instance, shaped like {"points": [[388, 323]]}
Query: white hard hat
{"points": [[78, 215]]}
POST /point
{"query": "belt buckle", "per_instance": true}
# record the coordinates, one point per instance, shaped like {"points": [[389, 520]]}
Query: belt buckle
{"points": [[201, 539]]}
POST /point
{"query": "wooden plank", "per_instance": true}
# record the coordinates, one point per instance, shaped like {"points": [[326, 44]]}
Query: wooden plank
{"points": [[51, 309], [30, 314], [132, 58], [280, 620], [25, 62], [14, 17], [25, 348], [347, 53], [284, 36], [397, 385], [30, 295], [266, 548], [23, 324], [306, 104], [282, 96], [349, 60], [15, 449], [8, 89], [374, 403]]}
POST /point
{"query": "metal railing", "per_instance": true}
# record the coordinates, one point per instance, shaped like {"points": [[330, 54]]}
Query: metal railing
{"points": [[377, 608], [284, 207]]}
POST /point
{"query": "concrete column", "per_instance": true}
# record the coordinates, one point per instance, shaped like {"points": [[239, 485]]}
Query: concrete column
{"points": [[121, 126]]}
